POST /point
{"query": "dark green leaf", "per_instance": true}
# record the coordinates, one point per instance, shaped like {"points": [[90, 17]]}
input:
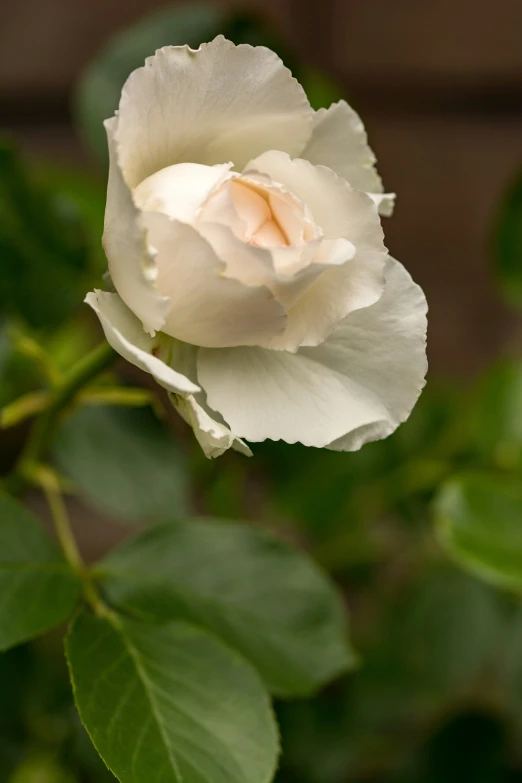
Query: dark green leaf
{"points": [[479, 517], [43, 249], [80, 200], [170, 704], [37, 588], [123, 461], [508, 245], [256, 593], [426, 646], [434, 640], [442, 633]]}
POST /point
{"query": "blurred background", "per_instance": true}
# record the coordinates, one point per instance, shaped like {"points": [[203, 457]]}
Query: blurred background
{"points": [[438, 697]]}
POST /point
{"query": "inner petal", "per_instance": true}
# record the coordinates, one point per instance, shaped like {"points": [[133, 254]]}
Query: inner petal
{"points": [[269, 235], [252, 214], [289, 215], [179, 191], [251, 208]]}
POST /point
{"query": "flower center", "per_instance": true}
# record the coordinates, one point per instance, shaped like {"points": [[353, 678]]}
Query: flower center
{"points": [[258, 210], [254, 209]]}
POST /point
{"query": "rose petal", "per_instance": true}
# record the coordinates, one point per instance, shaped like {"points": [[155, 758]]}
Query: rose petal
{"points": [[208, 308], [292, 215], [339, 141], [258, 266], [319, 297], [214, 437], [282, 396], [131, 265], [218, 103], [255, 266], [336, 207], [358, 386], [264, 215], [179, 191], [341, 212], [124, 332], [384, 348], [251, 208]]}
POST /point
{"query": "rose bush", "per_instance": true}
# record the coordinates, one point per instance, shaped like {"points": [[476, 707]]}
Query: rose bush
{"points": [[245, 247]]}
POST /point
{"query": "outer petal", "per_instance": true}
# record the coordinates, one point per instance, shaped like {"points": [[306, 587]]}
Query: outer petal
{"points": [[282, 396], [384, 349], [124, 332], [341, 212], [214, 437], [131, 264], [339, 141], [208, 308], [218, 103], [356, 387]]}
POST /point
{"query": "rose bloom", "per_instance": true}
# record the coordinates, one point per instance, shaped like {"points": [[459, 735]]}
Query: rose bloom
{"points": [[245, 246]]}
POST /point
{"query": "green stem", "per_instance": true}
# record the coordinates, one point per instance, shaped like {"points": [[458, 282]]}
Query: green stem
{"points": [[61, 521], [29, 468], [51, 488], [79, 376]]}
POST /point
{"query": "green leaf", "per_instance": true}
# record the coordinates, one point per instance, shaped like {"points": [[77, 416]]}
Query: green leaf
{"points": [[479, 518], [496, 421], [37, 588], [79, 198], [123, 461], [43, 248], [433, 640], [508, 245], [256, 593], [170, 703], [429, 644]]}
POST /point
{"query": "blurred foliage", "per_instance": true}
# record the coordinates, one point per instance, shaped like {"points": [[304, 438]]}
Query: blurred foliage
{"points": [[124, 462], [44, 245], [508, 244], [479, 522], [438, 696], [39, 589]]}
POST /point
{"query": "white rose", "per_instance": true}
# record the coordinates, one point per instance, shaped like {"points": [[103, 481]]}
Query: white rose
{"points": [[244, 241]]}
